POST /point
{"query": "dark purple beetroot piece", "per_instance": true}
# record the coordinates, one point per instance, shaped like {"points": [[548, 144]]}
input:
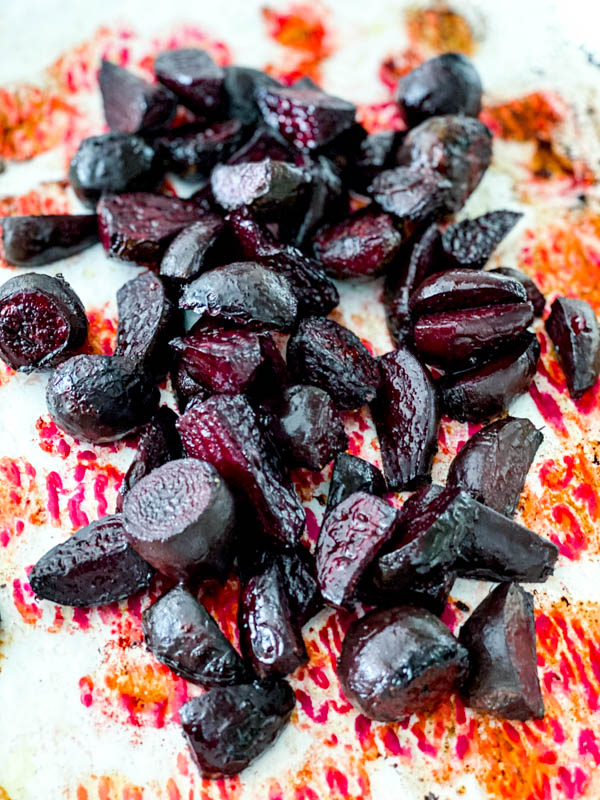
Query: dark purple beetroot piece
{"points": [[352, 474], [147, 319], [191, 151], [500, 638], [42, 321], [534, 296], [302, 590], [323, 353], [447, 84], [375, 153], [244, 294], [455, 339], [265, 143], [185, 387], [478, 394], [458, 289], [398, 661], [224, 431], [181, 633], [271, 637], [100, 398], [269, 188], [573, 328], [349, 540], [131, 104], [139, 226], [307, 427], [407, 418], [308, 117], [35, 241], [95, 566], [414, 194], [241, 85], [470, 243], [180, 518], [113, 163], [193, 76], [361, 246], [192, 248], [494, 463], [229, 726]]}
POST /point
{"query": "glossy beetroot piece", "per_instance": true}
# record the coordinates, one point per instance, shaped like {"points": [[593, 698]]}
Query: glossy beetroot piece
{"points": [[244, 294], [270, 635], [534, 296], [192, 75], [448, 84], [93, 567], [181, 633], [241, 85], [323, 353], [352, 474], [35, 241], [407, 418], [573, 328], [469, 244], [375, 153], [147, 319], [458, 289], [113, 163], [139, 226], [480, 393], [350, 538], [361, 246], [500, 638], [185, 387], [191, 151], [307, 427], [131, 104], [224, 431], [100, 398], [229, 726], [307, 117], [192, 249], [42, 321], [180, 519], [302, 590], [265, 143], [415, 195], [398, 661], [494, 463]]}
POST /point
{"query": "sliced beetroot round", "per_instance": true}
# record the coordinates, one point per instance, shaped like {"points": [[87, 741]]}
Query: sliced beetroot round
{"points": [[400, 661], [414, 194], [534, 296], [193, 76], [191, 151], [35, 241], [352, 474], [269, 188], [407, 419], [93, 567], [131, 104], [324, 353], [241, 85], [100, 398], [500, 638], [458, 289], [180, 518], [42, 321], [191, 249], [470, 243], [573, 328]]}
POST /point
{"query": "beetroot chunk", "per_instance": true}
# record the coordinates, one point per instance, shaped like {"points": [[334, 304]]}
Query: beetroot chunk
{"points": [[269, 188], [326, 354], [375, 153], [100, 398], [399, 661], [191, 151], [42, 321], [302, 590], [131, 104], [352, 474], [241, 85], [573, 328], [188, 253], [469, 244], [351, 536], [193, 76], [138, 226], [463, 288], [185, 387], [180, 518], [95, 566], [500, 638], [407, 418], [245, 294], [265, 143], [414, 194], [35, 241], [224, 430], [181, 633], [534, 296]]}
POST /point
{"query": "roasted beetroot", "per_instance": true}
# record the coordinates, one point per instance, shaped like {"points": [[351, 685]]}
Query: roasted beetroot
{"points": [[375, 153], [35, 241], [500, 638], [240, 85], [180, 518], [534, 296], [191, 151], [407, 418], [185, 387], [399, 661], [192, 249], [573, 328], [414, 194], [470, 243], [93, 567], [302, 590], [326, 354], [100, 398], [458, 289], [192, 75], [265, 143], [352, 474], [42, 321], [131, 104]]}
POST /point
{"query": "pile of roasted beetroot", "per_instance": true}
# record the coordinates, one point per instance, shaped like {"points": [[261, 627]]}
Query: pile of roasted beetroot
{"points": [[252, 252]]}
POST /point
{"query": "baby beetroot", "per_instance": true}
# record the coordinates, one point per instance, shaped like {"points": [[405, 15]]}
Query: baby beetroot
{"points": [[192, 248], [269, 188], [191, 151], [573, 328], [131, 104], [534, 296], [35, 241], [42, 321], [180, 519], [458, 289], [470, 243], [352, 474], [193, 76]]}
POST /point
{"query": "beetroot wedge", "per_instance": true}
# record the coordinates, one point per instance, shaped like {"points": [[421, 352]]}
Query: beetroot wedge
{"points": [[415, 195], [573, 328], [35, 241], [352, 474], [190, 252], [191, 151], [458, 289], [131, 104], [192, 75], [470, 243], [269, 188]]}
